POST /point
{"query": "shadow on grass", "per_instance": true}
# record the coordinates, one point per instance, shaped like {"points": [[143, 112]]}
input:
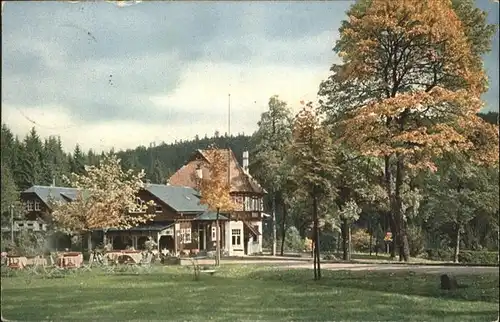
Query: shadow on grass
{"points": [[483, 288], [236, 293]]}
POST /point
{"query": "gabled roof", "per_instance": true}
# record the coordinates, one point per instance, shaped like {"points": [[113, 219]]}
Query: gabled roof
{"points": [[46, 193], [181, 199], [241, 181]]}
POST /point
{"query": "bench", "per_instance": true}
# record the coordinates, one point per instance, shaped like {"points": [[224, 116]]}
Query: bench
{"points": [[208, 271], [197, 269]]}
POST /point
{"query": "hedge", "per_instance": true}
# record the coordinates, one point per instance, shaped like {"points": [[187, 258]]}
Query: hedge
{"points": [[478, 257], [465, 256]]}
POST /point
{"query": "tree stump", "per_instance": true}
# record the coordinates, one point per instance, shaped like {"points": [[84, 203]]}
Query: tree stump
{"points": [[448, 282]]}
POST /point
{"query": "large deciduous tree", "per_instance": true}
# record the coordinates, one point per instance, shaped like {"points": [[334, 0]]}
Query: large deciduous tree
{"points": [[215, 190], [268, 162], [313, 157], [106, 198], [409, 88]]}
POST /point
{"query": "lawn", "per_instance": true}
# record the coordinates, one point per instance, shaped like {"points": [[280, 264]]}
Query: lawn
{"points": [[248, 293]]}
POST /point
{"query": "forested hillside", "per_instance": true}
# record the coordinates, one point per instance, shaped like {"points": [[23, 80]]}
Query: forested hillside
{"points": [[34, 160]]}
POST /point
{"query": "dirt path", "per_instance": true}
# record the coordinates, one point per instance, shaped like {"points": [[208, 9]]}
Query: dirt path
{"points": [[428, 269]]}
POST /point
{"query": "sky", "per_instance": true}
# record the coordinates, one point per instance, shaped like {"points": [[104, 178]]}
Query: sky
{"points": [[105, 76]]}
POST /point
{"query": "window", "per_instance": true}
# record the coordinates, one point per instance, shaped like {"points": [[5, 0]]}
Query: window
{"points": [[37, 205], [29, 205], [214, 233], [186, 235], [158, 208], [248, 201], [253, 204], [236, 237]]}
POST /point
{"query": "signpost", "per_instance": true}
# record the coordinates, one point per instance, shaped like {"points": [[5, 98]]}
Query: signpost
{"points": [[387, 239]]}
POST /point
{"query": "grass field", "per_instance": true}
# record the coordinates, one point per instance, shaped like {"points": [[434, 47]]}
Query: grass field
{"points": [[248, 293]]}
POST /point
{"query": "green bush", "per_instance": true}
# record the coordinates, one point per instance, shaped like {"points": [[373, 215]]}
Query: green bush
{"points": [[293, 241], [360, 240], [29, 244], [328, 241], [478, 257], [441, 254], [416, 240]]}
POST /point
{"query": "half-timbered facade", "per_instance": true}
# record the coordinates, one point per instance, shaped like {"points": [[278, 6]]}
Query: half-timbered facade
{"points": [[242, 232]]}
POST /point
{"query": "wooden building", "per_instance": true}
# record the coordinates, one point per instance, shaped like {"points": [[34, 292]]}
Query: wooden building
{"points": [[181, 223]]}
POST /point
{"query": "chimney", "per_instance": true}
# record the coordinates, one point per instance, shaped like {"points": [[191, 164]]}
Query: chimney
{"points": [[245, 161]]}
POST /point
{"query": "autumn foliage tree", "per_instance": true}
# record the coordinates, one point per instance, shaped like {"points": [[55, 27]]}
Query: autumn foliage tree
{"points": [[409, 89], [314, 168], [215, 189], [106, 198]]}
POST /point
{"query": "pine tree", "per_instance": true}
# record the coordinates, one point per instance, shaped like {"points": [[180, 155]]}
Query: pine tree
{"points": [[77, 164]]}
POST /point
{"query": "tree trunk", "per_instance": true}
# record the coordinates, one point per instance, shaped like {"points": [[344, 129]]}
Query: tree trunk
{"points": [[316, 236], [339, 238], [273, 250], [403, 245], [89, 241], [344, 227], [349, 243], [283, 229], [313, 253], [390, 196], [457, 244], [217, 240], [370, 232]]}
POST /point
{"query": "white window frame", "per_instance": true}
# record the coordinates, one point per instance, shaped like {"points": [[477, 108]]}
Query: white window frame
{"points": [[37, 205], [247, 203], [236, 233], [186, 235], [29, 205], [214, 233]]}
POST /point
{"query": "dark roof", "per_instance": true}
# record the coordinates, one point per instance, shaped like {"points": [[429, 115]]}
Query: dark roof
{"points": [[45, 193], [181, 199], [211, 216]]}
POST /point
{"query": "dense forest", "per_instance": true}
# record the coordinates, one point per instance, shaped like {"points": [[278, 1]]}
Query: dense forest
{"points": [[33, 160]]}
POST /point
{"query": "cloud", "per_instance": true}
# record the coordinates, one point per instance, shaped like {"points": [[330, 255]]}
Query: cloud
{"points": [[55, 120], [107, 76]]}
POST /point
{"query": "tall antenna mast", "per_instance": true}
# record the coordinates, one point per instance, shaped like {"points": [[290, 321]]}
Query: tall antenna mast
{"points": [[228, 138]]}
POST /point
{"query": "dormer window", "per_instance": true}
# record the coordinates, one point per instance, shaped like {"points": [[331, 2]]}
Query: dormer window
{"points": [[29, 205], [37, 205]]}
